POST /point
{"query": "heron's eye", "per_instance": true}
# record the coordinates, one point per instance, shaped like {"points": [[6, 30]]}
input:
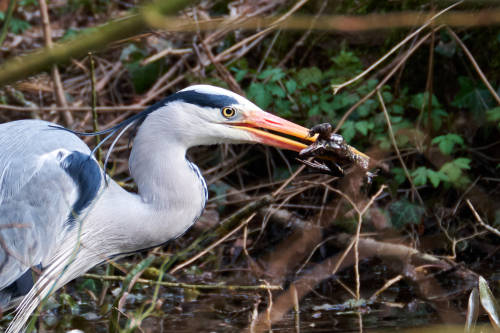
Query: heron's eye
{"points": [[228, 112]]}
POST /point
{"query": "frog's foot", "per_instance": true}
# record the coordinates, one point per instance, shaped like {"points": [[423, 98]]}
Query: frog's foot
{"points": [[328, 167], [315, 149]]}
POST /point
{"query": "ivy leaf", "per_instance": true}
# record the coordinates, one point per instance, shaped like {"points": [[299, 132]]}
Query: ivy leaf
{"points": [[404, 212], [447, 142]]}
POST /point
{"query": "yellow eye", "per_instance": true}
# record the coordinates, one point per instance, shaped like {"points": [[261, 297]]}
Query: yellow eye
{"points": [[228, 112]]}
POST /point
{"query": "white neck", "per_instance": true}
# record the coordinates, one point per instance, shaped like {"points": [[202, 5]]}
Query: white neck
{"points": [[171, 194]]}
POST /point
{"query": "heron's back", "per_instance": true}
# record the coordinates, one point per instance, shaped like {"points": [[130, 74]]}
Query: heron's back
{"points": [[41, 168]]}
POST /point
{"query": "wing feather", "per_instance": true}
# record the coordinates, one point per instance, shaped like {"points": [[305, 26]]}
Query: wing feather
{"points": [[45, 173]]}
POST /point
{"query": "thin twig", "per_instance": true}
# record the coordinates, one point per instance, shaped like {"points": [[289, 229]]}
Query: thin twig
{"points": [[394, 143], [6, 22], [209, 248], [336, 88], [399, 64], [93, 105], [480, 220], [296, 308], [389, 283], [263, 286], [56, 77], [476, 66], [356, 242]]}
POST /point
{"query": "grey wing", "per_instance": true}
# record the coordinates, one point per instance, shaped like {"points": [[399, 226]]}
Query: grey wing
{"points": [[47, 177]]}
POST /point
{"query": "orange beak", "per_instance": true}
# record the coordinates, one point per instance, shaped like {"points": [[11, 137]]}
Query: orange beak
{"points": [[256, 122]]}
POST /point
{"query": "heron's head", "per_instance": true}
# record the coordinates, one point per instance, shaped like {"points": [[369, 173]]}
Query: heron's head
{"points": [[204, 115]]}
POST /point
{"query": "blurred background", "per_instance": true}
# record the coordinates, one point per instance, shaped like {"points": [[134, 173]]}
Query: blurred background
{"points": [[322, 253]]}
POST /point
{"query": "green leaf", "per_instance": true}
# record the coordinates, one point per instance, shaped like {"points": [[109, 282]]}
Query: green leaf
{"points": [[71, 33], [367, 87], [348, 130], [311, 75], [132, 53], [462, 163], [283, 107], [496, 222], [455, 168], [363, 126], [436, 177], [314, 111], [276, 90], [240, 74], [404, 212], [421, 100], [28, 2], [472, 96], [396, 109], [88, 284], [18, 26], [399, 175], [419, 176], [387, 96], [291, 85], [258, 93], [367, 107], [447, 142], [347, 60], [493, 115], [273, 74], [437, 116], [143, 77]]}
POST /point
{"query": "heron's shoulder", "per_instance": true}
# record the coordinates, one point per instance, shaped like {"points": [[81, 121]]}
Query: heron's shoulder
{"points": [[30, 148], [33, 136]]}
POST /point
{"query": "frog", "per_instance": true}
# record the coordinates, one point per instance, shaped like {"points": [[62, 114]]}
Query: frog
{"points": [[334, 152]]}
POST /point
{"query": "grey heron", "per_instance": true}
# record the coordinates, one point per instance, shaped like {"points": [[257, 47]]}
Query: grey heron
{"points": [[60, 213]]}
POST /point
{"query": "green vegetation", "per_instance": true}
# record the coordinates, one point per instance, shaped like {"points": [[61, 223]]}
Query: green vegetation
{"points": [[444, 118]]}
